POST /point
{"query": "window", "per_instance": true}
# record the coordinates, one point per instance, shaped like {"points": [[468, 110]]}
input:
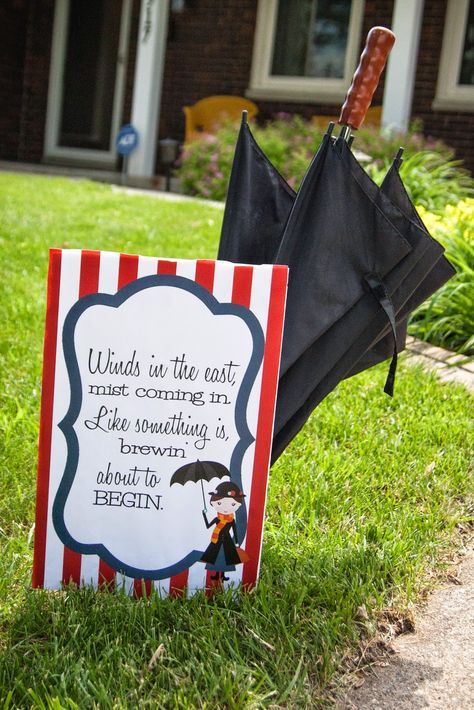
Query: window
{"points": [[305, 49], [455, 89]]}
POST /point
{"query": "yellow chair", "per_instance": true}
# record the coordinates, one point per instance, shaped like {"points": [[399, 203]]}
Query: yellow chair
{"points": [[373, 117], [208, 114]]}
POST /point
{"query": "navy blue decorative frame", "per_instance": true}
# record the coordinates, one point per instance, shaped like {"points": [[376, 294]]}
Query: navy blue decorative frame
{"points": [[67, 424]]}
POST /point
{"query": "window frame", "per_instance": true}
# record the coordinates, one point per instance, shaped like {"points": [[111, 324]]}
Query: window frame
{"points": [[449, 94], [296, 88]]}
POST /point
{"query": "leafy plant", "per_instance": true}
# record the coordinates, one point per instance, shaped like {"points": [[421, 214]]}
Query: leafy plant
{"points": [[383, 144], [205, 165], [447, 318], [433, 180], [432, 177]]}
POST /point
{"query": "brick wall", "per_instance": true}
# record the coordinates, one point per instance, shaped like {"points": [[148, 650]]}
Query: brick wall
{"points": [[13, 17], [39, 32], [209, 52], [454, 127], [26, 28], [25, 47]]}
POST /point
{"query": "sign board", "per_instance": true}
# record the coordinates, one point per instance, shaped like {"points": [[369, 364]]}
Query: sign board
{"points": [[158, 399], [127, 140]]}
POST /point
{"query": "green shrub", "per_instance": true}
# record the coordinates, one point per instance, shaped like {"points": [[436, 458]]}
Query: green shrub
{"points": [[447, 318], [205, 165], [433, 180], [382, 144], [431, 176]]}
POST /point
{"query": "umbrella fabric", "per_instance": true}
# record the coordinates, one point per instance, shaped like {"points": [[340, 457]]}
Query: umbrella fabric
{"points": [[352, 332], [198, 471], [258, 204], [336, 236], [430, 271], [311, 391], [441, 272], [423, 271], [250, 233], [251, 236]]}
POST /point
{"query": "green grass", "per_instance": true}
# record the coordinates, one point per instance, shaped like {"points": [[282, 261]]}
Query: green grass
{"points": [[362, 506]]}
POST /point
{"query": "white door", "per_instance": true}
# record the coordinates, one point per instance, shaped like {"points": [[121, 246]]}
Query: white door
{"points": [[87, 77]]}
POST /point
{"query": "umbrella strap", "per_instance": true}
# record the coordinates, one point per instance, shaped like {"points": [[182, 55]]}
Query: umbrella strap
{"points": [[380, 292]]}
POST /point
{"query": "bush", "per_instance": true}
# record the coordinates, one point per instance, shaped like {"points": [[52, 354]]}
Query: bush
{"points": [[447, 318], [432, 177], [433, 180], [205, 165]]}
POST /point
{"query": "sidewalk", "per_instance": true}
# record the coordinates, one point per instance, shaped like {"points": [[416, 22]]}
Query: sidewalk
{"points": [[448, 366], [433, 667], [114, 177], [151, 187]]}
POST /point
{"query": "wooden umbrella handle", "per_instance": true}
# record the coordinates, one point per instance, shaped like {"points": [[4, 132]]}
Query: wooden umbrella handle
{"points": [[372, 61]]}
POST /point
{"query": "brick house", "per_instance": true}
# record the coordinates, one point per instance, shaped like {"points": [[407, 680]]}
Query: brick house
{"points": [[72, 71]]}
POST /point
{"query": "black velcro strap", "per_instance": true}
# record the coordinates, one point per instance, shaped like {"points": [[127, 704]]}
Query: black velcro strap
{"points": [[377, 287]]}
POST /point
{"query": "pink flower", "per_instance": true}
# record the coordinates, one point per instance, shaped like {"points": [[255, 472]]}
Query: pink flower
{"points": [[209, 138]]}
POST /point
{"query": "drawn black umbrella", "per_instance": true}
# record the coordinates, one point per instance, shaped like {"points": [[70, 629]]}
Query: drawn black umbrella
{"points": [[359, 262], [199, 471]]}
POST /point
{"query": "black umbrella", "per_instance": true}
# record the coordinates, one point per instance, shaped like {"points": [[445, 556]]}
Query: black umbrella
{"points": [[358, 262], [258, 204], [343, 348], [199, 471]]}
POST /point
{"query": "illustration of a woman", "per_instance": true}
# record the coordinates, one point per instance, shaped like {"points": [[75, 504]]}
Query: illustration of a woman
{"points": [[221, 554]]}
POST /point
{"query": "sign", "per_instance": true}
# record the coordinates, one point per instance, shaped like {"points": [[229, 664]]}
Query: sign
{"points": [[158, 399], [127, 140]]}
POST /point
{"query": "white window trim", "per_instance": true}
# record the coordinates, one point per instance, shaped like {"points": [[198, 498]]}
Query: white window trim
{"points": [[450, 94], [308, 89]]}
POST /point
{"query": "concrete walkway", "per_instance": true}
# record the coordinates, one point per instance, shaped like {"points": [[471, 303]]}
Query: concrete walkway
{"points": [[446, 365], [99, 175], [151, 187], [433, 667]]}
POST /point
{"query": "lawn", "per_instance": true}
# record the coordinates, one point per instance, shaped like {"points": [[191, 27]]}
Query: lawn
{"points": [[363, 506]]}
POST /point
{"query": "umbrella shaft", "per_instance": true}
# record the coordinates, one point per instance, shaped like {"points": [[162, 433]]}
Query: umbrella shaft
{"points": [[345, 133], [203, 496]]}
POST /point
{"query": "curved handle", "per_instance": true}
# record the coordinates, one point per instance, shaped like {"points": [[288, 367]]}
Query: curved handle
{"points": [[379, 42]]}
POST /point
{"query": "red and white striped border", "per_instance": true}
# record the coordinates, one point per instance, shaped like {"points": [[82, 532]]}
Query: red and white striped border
{"points": [[76, 273]]}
